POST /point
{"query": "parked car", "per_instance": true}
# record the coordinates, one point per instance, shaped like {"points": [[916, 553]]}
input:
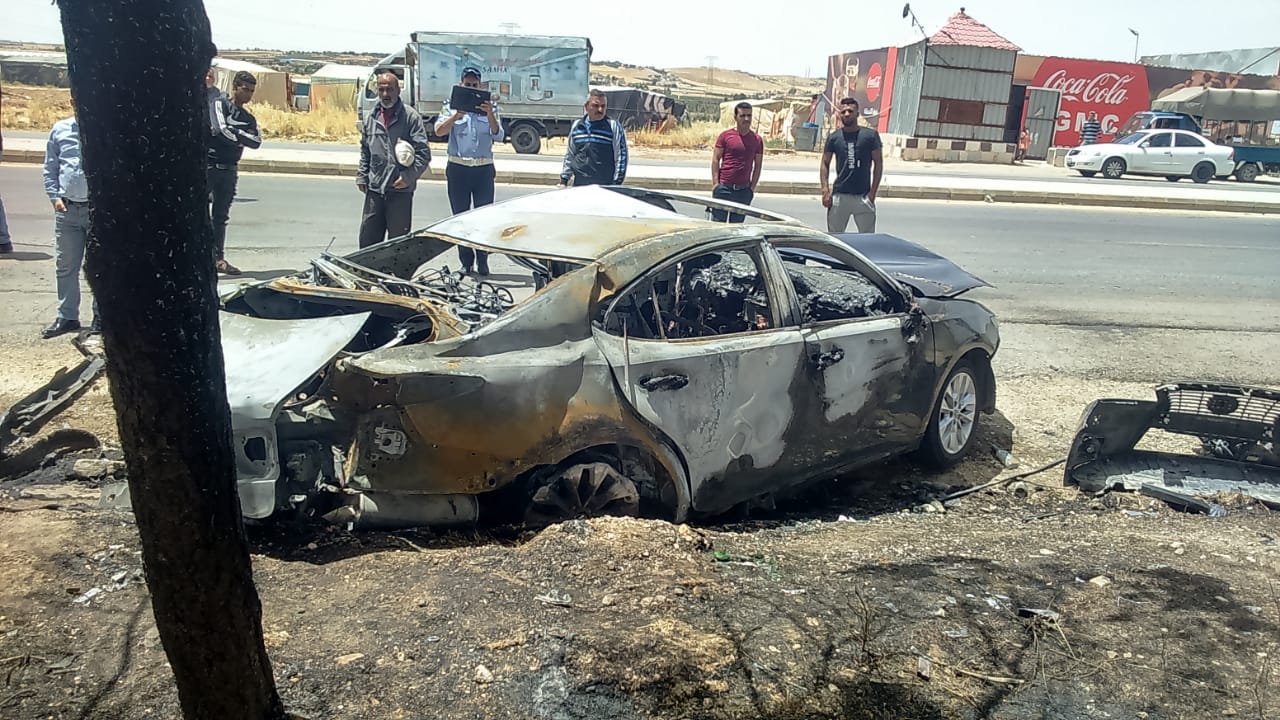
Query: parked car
{"points": [[667, 365], [1174, 154]]}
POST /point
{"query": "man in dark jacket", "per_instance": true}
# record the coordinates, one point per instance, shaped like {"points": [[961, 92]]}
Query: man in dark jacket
{"points": [[389, 174], [233, 129], [597, 152]]}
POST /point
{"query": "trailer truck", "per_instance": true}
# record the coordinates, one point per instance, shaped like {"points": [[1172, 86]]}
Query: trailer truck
{"points": [[541, 81]]}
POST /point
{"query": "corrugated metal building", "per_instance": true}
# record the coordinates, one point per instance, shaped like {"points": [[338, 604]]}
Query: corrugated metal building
{"points": [[1254, 61], [958, 81], [32, 67]]}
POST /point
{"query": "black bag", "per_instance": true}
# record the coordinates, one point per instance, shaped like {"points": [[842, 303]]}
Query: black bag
{"points": [[468, 99]]}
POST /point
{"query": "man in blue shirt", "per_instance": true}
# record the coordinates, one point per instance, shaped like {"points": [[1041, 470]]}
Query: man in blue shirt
{"points": [[470, 172], [68, 191]]}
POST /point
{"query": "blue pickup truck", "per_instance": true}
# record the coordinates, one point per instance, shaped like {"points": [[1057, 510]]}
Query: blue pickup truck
{"points": [[1246, 120]]}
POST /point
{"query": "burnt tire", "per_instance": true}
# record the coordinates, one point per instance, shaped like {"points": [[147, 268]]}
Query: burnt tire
{"points": [[585, 490], [526, 139], [1114, 168], [1203, 173], [1088, 173], [953, 424]]}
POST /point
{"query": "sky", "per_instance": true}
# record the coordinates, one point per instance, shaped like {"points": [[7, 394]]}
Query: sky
{"points": [[759, 37]]}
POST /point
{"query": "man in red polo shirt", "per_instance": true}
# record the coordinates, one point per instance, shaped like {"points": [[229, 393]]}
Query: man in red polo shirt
{"points": [[735, 164]]}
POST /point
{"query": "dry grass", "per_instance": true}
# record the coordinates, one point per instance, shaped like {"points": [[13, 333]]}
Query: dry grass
{"points": [[697, 136], [326, 125], [38, 108], [30, 107]]}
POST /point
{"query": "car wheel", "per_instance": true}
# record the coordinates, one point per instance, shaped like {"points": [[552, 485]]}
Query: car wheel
{"points": [[1113, 168], [581, 491], [1088, 173], [1172, 178], [954, 423], [1247, 173], [1203, 172], [526, 140]]}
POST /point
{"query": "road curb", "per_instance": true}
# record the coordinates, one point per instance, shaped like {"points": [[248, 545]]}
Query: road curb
{"points": [[906, 192]]}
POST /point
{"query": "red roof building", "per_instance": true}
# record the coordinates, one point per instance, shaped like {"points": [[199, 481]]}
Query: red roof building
{"points": [[964, 30]]}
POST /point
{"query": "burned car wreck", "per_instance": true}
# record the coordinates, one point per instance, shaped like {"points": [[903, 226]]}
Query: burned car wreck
{"points": [[665, 365]]}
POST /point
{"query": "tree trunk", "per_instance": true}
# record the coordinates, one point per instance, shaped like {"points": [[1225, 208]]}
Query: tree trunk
{"points": [[137, 73]]}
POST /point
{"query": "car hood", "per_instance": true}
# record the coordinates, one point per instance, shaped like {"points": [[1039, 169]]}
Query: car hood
{"points": [[919, 268]]}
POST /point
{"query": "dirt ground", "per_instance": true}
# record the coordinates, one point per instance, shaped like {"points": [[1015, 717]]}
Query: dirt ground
{"points": [[848, 602]]}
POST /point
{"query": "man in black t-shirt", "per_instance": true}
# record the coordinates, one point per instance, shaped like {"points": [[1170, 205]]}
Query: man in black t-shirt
{"points": [[858, 170]]}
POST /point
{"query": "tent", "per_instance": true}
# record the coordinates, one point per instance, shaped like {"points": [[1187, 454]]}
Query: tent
{"points": [[636, 108], [338, 86], [1221, 104], [273, 85], [772, 118]]}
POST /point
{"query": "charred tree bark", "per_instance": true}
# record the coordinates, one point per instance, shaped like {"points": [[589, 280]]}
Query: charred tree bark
{"points": [[137, 71]]}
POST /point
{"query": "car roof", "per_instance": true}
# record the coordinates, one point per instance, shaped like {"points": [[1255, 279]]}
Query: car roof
{"points": [[582, 224]]}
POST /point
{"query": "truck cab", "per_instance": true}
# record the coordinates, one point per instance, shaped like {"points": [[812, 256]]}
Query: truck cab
{"points": [[1159, 120], [368, 99]]}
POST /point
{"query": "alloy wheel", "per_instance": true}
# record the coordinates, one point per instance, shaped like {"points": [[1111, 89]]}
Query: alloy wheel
{"points": [[957, 413]]}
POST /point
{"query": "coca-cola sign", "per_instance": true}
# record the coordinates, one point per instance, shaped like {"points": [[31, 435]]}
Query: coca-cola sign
{"points": [[1114, 91], [1106, 88]]}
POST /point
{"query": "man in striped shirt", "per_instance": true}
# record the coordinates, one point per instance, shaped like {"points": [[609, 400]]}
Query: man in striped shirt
{"points": [[1089, 133], [597, 152]]}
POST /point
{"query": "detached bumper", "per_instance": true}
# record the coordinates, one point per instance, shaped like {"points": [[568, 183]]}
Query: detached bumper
{"points": [[1237, 424]]}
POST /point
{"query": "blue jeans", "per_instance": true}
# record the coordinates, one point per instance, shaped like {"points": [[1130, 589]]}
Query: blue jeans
{"points": [[71, 235]]}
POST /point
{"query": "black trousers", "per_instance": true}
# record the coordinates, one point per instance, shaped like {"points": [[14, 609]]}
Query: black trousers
{"points": [[385, 216], [222, 190], [469, 187], [742, 195]]}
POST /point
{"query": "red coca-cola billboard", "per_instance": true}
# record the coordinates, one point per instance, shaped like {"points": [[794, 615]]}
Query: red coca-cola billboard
{"points": [[1113, 90]]}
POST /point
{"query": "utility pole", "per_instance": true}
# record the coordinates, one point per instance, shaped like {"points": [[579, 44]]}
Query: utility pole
{"points": [[1135, 44], [711, 68]]}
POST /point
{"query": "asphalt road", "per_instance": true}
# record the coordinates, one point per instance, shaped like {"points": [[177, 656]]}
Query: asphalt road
{"points": [[1128, 295], [1071, 181]]}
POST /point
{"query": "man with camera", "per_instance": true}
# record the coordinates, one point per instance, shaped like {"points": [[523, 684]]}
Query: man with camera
{"points": [[473, 127]]}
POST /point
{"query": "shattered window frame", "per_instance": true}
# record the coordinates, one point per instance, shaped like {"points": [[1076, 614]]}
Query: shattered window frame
{"points": [[781, 307], [844, 259]]}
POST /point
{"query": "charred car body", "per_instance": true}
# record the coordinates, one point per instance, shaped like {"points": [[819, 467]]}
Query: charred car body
{"points": [[667, 365]]}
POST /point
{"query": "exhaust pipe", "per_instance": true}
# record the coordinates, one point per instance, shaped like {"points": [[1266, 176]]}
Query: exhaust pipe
{"points": [[391, 511]]}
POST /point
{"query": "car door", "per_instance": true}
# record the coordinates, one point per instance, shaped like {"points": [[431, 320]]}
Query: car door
{"points": [[868, 351], [1154, 154], [705, 348], [1188, 151]]}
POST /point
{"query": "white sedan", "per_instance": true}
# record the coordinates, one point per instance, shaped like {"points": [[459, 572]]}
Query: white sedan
{"points": [[1172, 153]]}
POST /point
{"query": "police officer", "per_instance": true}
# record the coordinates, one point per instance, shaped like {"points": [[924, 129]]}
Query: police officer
{"points": [[470, 173]]}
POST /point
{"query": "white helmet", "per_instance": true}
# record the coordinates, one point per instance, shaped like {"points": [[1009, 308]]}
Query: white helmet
{"points": [[404, 153]]}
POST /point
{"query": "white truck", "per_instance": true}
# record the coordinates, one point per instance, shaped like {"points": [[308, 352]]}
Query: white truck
{"points": [[541, 81]]}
